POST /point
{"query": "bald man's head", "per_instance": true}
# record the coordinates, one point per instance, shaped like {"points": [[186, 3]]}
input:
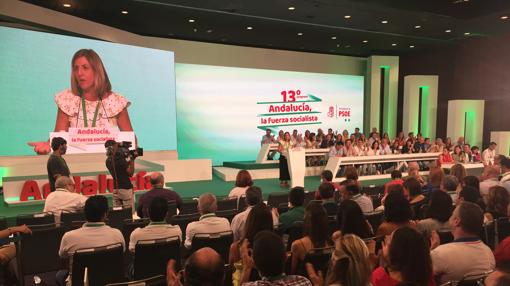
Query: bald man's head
{"points": [[64, 182], [204, 267], [207, 204], [157, 179]]}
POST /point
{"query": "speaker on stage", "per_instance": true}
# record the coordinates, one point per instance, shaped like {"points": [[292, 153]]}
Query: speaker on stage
{"points": [[420, 104]]}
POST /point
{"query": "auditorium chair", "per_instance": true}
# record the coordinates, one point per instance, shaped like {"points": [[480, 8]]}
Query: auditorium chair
{"points": [[69, 219], [227, 204], [376, 200], [103, 265], [130, 224], [182, 220], [332, 225], [151, 256], [375, 219], [172, 209], [189, 207], [373, 190], [116, 217], [276, 198], [3, 223], [295, 232], [37, 253], [488, 234], [158, 280], [283, 208], [319, 258], [218, 241], [228, 214], [502, 229], [241, 203], [35, 219], [445, 237], [309, 196]]}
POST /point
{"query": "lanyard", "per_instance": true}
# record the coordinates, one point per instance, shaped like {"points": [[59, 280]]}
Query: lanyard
{"points": [[85, 121]]}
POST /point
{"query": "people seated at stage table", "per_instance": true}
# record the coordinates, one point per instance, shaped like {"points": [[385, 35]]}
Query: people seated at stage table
{"points": [[243, 182], [446, 157], [158, 191], [94, 233], [489, 154], [157, 228], [208, 222], [467, 254], [268, 138], [64, 198], [458, 156]]}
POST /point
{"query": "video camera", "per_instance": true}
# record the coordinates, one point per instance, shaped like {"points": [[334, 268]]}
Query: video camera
{"points": [[123, 149]]}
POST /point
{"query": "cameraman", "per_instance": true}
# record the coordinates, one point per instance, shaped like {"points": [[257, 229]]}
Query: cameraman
{"points": [[121, 164]]}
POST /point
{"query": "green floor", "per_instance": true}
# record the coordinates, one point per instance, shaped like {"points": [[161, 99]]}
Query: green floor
{"points": [[187, 190]]}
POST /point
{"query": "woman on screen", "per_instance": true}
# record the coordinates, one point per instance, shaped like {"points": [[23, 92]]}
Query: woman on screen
{"points": [[90, 102]]}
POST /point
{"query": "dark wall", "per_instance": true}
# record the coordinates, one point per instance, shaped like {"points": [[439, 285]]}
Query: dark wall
{"points": [[473, 69]]}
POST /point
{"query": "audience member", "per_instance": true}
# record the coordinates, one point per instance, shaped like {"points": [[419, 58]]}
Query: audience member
{"points": [[416, 199], [467, 254], [268, 257], [64, 198], [414, 171], [296, 210], [327, 177], [158, 191], [471, 181], [315, 234], [8, 253], [243, 182], [408, 257], [436, 176], [208, 222], [458, 171], [439, 211], [351, 174], [351, 220], [94, 233], [505, 172], [489, 154], [253, 198], [450, 184], [397, 213], [497, 203], [470, 194], [327, 192], [498, 278], [396, 179], [468, 156], [258, 219], [157, 228], [352, 192], [349, 266], [490, 179], [204, 267], [458, 156], [475, 154]]}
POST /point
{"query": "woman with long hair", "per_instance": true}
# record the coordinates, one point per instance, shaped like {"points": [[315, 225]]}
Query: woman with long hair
{"points": [[458, 156], [351, 220], [315, 234], [497, 203], [408, 260], [439, 211], [283, 147]]}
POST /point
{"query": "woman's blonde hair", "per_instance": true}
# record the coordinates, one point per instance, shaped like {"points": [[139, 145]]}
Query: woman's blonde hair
{"points": [[352, 265], [102, 85]]}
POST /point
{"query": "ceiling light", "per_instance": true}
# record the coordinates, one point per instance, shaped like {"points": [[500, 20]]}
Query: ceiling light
{"points": [[333, 38], [300, 34], [124, 12], [249, 28], [191, 20], [292, 8], [504, 17], [384, 21], [67, 5], [467, 33], [365, 41], [195, 30], [417, 27], [209, 31], [448, 31], [347, 16], [393, 44], [411, 46], [338, 45], [347, 46]]}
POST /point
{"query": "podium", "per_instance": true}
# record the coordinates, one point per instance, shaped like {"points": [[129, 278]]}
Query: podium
{"points": [[296, 162], [91, 140]]}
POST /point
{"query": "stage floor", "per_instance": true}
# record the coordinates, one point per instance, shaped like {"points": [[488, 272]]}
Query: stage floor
{"points": [[187, 190]]}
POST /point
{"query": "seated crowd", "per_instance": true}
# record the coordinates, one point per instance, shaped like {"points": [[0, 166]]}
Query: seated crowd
{"points": [[422, 231]]}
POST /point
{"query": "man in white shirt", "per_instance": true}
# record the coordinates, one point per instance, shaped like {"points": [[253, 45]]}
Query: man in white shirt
{"points": [[94, 233], [208, 222], [350, 151], [157, 228], [385, 147], [490, 175], [489, 154], [64, 198], [338, 150], [505, 172], [268, 138], [467, 254]]}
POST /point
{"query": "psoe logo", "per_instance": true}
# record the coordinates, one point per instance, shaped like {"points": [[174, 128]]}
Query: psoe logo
{"points": [[344, 112]]}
